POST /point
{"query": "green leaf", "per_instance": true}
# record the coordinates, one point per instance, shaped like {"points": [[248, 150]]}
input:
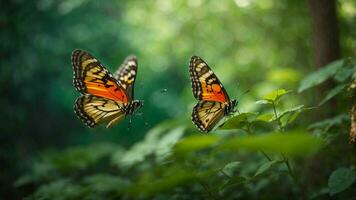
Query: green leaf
{"points": [[321, 75], [291, 110], [333, 92], [239, 121], [296, 143], [274, 96], [230, 168], [289, 115], [266, 166], [340, 180], [265, 117], [195, 143], [289, 118], [345, 73]]}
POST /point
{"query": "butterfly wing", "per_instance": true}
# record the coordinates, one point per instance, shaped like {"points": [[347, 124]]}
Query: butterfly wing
{"points": [[93, 110], [205, 84], [91, 77], [206, 114], [126, 75]]}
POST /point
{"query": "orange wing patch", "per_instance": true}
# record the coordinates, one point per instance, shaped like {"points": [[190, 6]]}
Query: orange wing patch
{"points": [[91, 77], [205, 84]]}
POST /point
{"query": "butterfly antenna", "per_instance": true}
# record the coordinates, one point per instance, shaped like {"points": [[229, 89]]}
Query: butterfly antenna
{"points": [[247, 91]]}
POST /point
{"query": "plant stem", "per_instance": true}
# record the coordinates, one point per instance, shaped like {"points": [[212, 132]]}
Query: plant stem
{"points": [[280, 127], [285, 159]]}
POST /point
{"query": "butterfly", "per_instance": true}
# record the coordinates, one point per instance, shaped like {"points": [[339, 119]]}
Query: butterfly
{"points": [[214, 103], [106, 98]]}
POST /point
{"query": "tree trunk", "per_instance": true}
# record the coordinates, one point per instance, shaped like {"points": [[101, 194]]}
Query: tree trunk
{"points": [[326, 44], [326, 49], [325, 31]]}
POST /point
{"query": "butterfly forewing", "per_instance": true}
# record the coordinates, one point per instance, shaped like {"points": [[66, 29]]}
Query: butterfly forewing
{"points": [[126, 75], [205, 84], [91, 77], [93, 110]]}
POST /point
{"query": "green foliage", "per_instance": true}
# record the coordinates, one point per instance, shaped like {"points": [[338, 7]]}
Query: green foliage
{"points": [[288, 143], [340, 180], [321, 75], [333, 92], [171, 160], [264, 152], [265, 167]]}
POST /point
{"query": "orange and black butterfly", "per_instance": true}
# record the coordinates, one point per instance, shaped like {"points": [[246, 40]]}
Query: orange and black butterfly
{"points": [[105, 98], [214, 103]]}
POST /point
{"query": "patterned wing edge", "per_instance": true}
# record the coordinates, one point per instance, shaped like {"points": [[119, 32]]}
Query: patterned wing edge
{"points": [[79, 111], [195, 61], [126, 72], [198, 122]]}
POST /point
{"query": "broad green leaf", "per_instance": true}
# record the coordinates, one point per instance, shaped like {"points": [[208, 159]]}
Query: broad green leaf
{"points": [[238, 121], [344, 73], [321, 75], [333, 92], [291, 110], [289, 118], [230, 168], [195, 143], [274, 96], [266, 166], [289, 115], [265, 117], [340, 180], [296, 143]]}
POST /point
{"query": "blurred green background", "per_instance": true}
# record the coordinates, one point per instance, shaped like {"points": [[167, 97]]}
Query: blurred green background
{"points": [[255, 46]]}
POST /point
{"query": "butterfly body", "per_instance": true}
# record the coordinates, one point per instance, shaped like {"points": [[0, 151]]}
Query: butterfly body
{"points": [[104, 99], [214, 102]]}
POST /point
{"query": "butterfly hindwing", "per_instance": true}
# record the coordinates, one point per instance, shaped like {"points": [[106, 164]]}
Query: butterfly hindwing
{"points": [[126, 75], [91, 77], [93, 110], [205, 84], [206, 114]]}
